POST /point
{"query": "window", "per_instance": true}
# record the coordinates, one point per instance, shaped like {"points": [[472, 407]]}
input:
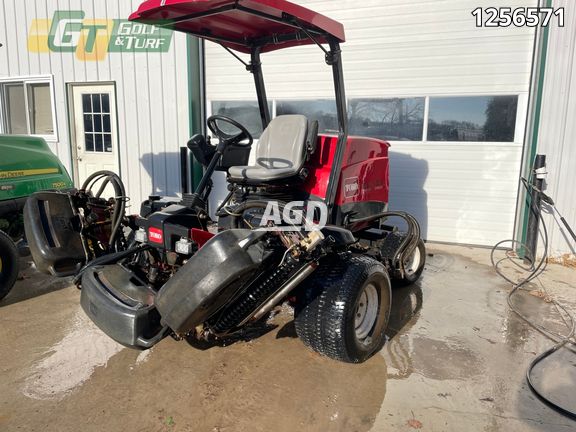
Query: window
{"points": [[472, 118], [27, 108], [322, 110], [97, 126], [398, 119], [246, 113]]}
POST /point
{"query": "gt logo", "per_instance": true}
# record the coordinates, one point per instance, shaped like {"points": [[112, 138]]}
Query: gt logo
{"points": [[67, 28], [91, 39], [155, 235], [351, 187]]}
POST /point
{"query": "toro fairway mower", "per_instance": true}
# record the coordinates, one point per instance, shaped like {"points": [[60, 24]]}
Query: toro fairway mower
{"points": [[306, 222]]}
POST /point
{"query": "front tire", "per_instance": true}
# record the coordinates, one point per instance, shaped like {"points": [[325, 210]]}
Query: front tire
{"points": [[8, 264], [343, 309]]}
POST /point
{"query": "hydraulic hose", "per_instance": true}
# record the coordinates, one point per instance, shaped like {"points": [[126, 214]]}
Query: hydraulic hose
{"points": [[410, 242], [109, 259], [120, 192]]}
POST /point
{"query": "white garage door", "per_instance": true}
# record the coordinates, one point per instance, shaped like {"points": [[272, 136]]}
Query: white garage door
{"points": [[451, 98]]}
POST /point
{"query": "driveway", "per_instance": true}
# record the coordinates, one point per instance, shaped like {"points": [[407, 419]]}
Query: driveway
{"points": [[455, 360]]}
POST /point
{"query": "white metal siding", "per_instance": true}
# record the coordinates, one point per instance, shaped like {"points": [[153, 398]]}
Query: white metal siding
{"points": [[463, 192], [152, 91], [557, 135]]}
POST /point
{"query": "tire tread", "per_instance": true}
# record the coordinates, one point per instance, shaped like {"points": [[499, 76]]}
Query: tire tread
{"points": [[320, 320]]}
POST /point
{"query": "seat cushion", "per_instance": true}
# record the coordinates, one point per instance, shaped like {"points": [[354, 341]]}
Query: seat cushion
{"points": [[260, 173], [280, 153]]}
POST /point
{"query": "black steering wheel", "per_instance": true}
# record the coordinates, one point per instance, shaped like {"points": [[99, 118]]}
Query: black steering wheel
{"points": [[226, 138]]}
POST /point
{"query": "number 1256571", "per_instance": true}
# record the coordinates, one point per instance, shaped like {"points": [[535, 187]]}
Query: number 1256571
{"points": [[519, 17]]}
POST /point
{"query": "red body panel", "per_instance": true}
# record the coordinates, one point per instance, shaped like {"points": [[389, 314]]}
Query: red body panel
{"points": [[235, 24], [200, 236], [365, 170]]}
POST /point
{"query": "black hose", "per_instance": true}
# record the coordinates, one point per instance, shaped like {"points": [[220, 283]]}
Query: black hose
{"points": [[535, 271], [109, 259], [408, 244], [120, 191]]}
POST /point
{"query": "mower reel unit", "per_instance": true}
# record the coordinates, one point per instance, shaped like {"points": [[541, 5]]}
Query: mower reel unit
{"points": [[172, 270]]}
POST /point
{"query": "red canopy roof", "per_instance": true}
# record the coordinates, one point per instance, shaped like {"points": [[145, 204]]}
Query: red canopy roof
{"points": [[242, 24]]}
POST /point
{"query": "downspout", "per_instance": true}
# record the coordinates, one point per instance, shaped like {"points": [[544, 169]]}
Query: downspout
{"points": [[196, 98], [532, 127]]}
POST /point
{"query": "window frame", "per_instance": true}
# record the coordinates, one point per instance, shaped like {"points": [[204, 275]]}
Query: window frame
{"points": [[519, 130], [28, 81]]}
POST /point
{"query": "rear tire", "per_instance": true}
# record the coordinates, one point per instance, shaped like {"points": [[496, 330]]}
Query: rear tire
{"points": [[414, 264], [343, 309], [8, 264]]}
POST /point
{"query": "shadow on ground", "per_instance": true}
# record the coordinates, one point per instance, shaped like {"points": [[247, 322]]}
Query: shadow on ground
{"points": [[31, 284]]}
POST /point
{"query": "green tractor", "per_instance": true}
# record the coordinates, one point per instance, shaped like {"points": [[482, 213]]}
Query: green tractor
{"points": [[26, 166]]}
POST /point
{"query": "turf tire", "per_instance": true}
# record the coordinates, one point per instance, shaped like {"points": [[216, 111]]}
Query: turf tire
{"points": [[327, 304], [8, 264]]}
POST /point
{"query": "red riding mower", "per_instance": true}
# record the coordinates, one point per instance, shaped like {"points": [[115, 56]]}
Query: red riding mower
{"points": [[174, 271]]}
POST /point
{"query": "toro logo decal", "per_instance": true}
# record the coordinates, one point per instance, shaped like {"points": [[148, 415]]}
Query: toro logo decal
{"points": [[351, 187], [155, 235], [92, 39]]}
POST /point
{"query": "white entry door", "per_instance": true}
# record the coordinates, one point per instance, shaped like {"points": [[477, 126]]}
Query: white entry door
{"points": [[95, 126]]}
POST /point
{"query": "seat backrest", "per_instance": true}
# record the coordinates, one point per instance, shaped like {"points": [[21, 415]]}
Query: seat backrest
{"points": [[283, 143]]}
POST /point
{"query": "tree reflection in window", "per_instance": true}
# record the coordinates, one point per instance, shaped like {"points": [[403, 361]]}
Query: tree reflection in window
{"points": [[473, 118], [397, 119], [322, 110]]}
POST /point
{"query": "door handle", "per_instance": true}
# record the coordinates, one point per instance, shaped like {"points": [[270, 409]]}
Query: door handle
{"points": [[79, 159]]}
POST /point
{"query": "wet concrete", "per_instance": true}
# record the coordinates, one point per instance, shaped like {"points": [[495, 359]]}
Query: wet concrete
{"points": [[455, 360]]}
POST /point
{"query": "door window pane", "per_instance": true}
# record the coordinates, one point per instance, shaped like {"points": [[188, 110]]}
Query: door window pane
{"points": [[97, 126], [88, 127], [86, 103], [98, 143], [473, 118], [97, 122], [96, 108], [105, 98], [16, 102], [106, 123], [108, 143], [322, 110], [397, 119], [246, 113], [39, 103], [89, 142]]}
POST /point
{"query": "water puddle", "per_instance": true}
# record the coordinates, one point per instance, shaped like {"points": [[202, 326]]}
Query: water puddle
{"points": [[71, 361]]}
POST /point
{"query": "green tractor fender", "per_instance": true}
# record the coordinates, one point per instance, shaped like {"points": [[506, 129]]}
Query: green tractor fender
{"points": [[27, 165]]}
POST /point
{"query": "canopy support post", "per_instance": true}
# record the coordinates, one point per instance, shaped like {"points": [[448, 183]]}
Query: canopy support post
{"points": [[334, 59], [255, 68]]}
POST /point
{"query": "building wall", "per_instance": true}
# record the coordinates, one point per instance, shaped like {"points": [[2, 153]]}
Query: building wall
{"points": [[557, 134], [460, 192], [152, 91]]}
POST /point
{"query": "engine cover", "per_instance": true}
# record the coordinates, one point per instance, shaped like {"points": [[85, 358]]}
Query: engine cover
{"points": [[210, 279], [164, 228]]}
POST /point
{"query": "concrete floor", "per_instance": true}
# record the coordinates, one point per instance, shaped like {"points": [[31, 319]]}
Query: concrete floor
{"points": [[455, 361]]}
